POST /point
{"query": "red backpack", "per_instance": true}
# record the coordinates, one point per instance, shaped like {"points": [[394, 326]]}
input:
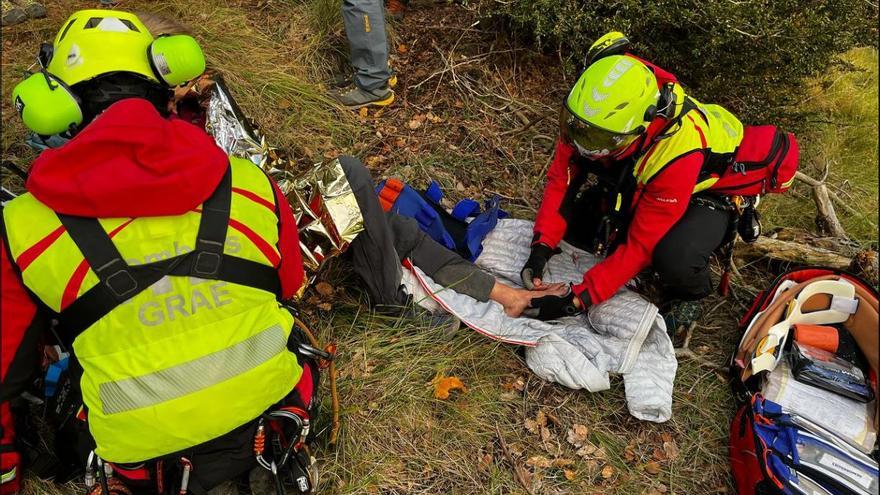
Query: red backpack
{"points": [[765, 162]]}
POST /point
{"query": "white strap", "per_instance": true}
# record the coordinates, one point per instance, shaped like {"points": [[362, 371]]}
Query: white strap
{"points": [[847, 305]]}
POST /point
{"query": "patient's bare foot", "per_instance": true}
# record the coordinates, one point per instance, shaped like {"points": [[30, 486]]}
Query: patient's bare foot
{"points": [[515, 301]]}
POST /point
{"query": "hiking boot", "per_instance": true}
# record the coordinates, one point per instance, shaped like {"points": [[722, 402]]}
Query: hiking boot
{"points": [[396, 9], [12, 13], [354, 97], [345, 80], [680, 314], [34, 9]]}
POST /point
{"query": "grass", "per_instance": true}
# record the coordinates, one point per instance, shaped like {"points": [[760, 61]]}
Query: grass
{"points": [[842, 133], [492, 133]]}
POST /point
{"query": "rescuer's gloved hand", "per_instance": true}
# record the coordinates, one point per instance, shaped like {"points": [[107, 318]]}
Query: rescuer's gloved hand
{"points": [[533, 271], [553, 307]]}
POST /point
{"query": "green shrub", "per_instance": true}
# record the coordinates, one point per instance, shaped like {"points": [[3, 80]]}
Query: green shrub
{"points": [[751, 55]]}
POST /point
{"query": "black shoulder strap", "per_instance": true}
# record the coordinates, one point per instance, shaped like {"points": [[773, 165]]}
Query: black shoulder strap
{"points": [[119, 282]]}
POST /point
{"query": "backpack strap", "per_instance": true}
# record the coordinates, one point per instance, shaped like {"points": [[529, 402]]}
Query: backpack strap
{"points": [[119, 282], [465, 209], [433, 193]]}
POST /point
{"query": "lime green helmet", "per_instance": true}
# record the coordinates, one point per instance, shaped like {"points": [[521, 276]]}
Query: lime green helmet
{"points": [[610, 105], [92, 43]]}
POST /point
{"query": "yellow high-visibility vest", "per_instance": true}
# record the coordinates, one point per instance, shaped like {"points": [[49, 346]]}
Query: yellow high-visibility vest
{"points": [[708, 129], [186, 359]]}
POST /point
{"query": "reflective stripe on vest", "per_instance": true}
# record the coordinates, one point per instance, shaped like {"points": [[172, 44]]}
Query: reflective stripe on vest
{"points": [[707, 128], [185, 360]]}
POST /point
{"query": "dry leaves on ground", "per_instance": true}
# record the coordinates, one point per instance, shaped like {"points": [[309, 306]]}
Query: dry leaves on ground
{"points": [[444, 385]]}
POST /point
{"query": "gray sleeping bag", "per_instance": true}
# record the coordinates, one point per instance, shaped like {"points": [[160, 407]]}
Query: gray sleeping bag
{"points": [[624, 334]]}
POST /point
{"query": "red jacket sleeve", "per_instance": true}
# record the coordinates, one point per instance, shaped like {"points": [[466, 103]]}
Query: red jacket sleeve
{"points": [[19, 358], [290, 271], [549, 224], [662, 204]]}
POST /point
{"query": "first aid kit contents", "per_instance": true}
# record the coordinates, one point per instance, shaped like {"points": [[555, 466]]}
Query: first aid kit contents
{"points": [[827, 371], [805, 374]]}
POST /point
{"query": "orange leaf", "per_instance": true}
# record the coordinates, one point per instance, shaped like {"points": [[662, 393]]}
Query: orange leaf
{"points": [[444, 385]]}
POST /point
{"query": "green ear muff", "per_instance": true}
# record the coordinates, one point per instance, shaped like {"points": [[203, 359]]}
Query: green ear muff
{"points": [[46, 104], [176, 59]]}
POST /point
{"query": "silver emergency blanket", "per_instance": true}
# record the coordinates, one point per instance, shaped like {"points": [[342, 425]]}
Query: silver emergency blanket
{"points": [[623, 335], [324, 205]]}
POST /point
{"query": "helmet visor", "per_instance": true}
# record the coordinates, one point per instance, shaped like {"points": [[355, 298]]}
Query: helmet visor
{"points": [[594, 141]]}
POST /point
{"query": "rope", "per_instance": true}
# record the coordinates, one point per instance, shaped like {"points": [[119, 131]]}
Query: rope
{"points": [[334, 394]]}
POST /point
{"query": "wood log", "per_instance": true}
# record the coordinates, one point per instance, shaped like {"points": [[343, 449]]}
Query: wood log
{"points": [[826, 218], [791, 251], [803, 248]]}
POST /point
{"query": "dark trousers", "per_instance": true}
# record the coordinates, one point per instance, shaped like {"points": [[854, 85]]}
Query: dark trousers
{"points": [[388, 238], [681, 258]]}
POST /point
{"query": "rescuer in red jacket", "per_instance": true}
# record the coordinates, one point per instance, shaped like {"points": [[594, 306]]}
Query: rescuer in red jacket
{"points": [[629, 132]]}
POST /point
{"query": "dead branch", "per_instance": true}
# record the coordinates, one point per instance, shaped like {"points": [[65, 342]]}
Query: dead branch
{"points": [[806, 179], [826, 218], [685, 351], [517, 468], [795, 252]]}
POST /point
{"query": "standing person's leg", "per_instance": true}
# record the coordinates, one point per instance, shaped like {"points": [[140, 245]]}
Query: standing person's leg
{"points": [[373, 255], [365, 28]]}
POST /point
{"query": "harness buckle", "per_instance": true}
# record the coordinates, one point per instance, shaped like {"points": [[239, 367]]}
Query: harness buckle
{"points": [[207, 264], [121, 283]]}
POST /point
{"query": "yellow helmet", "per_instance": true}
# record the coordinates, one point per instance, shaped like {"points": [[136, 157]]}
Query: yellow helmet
{"points": [[96, 42], [93, 43]]}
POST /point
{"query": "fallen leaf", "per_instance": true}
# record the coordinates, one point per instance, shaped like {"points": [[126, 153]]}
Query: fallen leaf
{"points": [[363, 112], [485, 462], [541, 418], [402, 48], [587, 450], [444, 385], [666, 436], [562, 462], [508, 396], [607, 471], [658, 455], [569, 474], [545, 434], [552, 418], [414, 124], [324, 289], [577, 435], [284, 103], [458, 104], [652, 467], [539, 461], [532, 426], [670, 448], [373, 161]]}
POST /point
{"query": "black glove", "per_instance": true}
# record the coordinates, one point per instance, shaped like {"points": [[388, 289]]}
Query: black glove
{"points": [[552, 307], [534, 267]]}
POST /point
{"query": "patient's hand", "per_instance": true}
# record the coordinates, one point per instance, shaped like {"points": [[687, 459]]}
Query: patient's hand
{"points": [[515, 301]]}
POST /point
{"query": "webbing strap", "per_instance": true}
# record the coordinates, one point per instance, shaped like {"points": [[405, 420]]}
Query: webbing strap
{"points": [[465, 209], [212, 229], [389, 193], [119, 282]]}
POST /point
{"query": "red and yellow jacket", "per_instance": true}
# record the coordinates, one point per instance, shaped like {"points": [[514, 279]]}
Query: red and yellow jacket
{"points": [[666, 167], [146, 178]]}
